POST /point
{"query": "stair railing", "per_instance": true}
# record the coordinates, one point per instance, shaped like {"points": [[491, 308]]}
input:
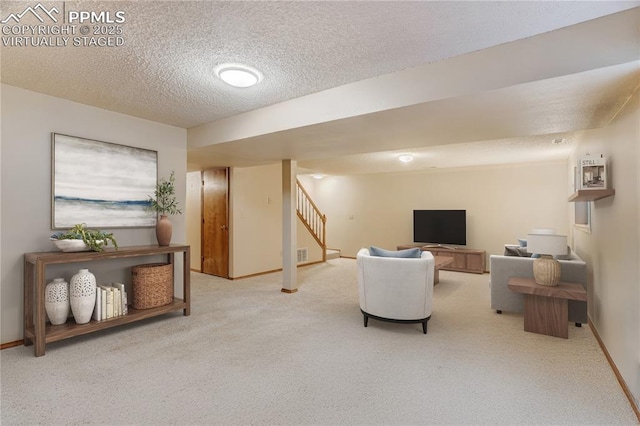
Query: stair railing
{"points": [[311, 217]]}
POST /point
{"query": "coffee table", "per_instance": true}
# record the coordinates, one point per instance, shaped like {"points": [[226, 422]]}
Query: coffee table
{"points": [[440, 262]]}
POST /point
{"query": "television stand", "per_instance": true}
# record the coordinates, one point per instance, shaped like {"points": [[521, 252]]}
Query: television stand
{"points": [[464, 260], [429, 246]]}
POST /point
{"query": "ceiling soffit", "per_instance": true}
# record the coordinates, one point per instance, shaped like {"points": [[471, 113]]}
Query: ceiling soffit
{"points": [[567, 51]]}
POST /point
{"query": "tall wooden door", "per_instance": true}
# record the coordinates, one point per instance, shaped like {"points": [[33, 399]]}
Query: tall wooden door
{"points": [[215, 222]]}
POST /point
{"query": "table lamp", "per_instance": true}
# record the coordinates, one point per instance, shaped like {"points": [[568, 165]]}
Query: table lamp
{"points": [[546, 269]]}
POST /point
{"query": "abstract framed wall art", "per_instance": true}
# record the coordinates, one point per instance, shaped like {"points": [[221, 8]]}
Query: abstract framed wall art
{"points": [[101, 184]]}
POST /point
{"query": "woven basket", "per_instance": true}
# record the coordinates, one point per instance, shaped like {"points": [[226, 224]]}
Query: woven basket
{"points": [[152, 285]]}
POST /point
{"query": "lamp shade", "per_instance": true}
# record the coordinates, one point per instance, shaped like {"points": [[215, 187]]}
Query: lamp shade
{"points": [[547, 244], [543, 231]]}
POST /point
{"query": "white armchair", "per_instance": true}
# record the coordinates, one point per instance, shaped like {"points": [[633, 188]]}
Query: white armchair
{"points": [[396, 289]]}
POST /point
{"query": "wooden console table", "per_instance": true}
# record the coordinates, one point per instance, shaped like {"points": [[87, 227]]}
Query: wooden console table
{"points": [[464, 260], [38, 332], [546, 308]]}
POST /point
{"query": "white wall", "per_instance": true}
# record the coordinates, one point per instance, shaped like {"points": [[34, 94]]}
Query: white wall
{"points": [[256, 222], [28, 119], [256, 209], [193, 216], [612, 249], [502, 204]]}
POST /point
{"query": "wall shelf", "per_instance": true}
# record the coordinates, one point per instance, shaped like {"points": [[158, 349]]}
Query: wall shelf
{"points": [[591, 194]]}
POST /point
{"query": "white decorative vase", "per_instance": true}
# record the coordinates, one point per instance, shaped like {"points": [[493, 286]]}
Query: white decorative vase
{"points": [[56, 301], [82, 290]]}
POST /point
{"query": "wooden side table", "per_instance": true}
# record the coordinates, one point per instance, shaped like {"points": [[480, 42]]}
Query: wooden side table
{"points": [[546, 308]]}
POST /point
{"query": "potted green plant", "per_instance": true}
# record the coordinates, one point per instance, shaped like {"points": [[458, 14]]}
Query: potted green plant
{"points": [[164, 203], [79, 238]]}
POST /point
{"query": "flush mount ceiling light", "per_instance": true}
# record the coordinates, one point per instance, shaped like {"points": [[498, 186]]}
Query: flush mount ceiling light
{"points": [[406, 158], [238, 75], [317, 175]]}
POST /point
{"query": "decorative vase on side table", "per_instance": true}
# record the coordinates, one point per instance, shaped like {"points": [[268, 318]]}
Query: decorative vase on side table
{"points": [[82, 291], [164, 203], [56, 301], [546, 269], [164, 229]]}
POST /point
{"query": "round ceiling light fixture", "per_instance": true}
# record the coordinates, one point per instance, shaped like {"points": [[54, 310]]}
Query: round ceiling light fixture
{"points": [[317, 175], [406, 158], [238, 75]]}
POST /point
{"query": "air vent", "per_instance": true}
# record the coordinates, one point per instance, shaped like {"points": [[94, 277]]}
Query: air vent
{"points": [[303, 255]]}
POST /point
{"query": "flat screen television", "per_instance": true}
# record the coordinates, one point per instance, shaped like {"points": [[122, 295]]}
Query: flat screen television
{"points": [[440, 226]]}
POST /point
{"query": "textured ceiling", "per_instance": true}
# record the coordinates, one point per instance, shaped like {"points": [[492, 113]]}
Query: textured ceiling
{"points": [[164, 73]]}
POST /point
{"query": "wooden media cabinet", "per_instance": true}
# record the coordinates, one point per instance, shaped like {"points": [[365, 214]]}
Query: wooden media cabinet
{"points": [[464, 260], [36, 329]]}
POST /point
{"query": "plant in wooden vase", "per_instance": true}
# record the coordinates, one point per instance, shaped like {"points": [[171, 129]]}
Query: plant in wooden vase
{"points": [[79, 238], [164, 203]]}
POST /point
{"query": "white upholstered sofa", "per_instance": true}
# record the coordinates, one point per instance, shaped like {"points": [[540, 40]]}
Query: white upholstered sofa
{"points": [[396, 289], [503, 267]]}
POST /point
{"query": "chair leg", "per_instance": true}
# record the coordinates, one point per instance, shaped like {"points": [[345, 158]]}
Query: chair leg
{"points": [[424, 327], [366, 319]]}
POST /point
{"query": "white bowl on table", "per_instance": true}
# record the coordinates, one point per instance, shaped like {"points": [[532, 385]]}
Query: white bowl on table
{"points": [[71, 245]]}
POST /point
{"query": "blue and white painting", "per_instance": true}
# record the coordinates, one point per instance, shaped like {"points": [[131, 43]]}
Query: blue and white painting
{"points": [[101, 184]]}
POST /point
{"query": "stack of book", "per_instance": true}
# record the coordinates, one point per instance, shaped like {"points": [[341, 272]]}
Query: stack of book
{"points": [[111, 301]]}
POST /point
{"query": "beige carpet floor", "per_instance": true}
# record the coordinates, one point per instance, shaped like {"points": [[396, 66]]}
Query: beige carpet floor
{"points": [[250, 354]]}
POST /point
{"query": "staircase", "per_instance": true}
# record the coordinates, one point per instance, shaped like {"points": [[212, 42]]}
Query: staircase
{"points": [[333, 254], [312, 218]]}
